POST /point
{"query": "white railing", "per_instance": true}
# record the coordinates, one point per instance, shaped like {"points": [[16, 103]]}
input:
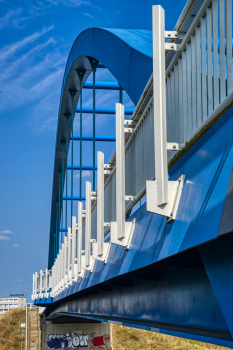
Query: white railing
{"points": [[42, 284], [195, 90]]}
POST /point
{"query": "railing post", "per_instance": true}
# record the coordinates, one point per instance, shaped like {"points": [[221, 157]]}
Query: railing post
{"points": [[100, 203], [40, 283], [64, 258], [51, 281], [46, 282], [121, 231], [162, 195], [68, 255], [59, 267], [73, 263], [120, 170], [100, 248], [80, 237], [159, 95], [88, 224], [33, 286]]}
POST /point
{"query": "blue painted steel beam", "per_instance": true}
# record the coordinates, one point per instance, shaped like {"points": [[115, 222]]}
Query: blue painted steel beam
{"points": [[104, 85], [97, 138], [84, 167], [75, 198], [104, 110], [100, 65], [63, 229]]}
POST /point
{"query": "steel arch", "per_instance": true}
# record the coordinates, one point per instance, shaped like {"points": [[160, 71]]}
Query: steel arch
{"points": [[127, 54]]}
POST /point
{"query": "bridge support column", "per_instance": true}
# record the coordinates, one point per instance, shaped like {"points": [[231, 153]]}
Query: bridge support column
{"points": [[75, 332]]}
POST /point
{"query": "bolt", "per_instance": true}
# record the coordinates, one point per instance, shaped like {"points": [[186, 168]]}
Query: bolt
{"points": [[174, 146], [172, 46], [176, 33], [168, 34]]}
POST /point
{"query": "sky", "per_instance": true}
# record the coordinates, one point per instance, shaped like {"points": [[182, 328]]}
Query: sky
{"points": [[35, 40]]}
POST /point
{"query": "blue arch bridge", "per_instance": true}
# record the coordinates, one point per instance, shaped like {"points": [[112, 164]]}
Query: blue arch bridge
{"points": [[150, 245]]}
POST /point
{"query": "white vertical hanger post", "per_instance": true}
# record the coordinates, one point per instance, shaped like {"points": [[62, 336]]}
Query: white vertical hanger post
{"points": [[80, 257], [162, 195], [69, 256], [88, 257], [100, 248], [73, 258], [121, 231]]}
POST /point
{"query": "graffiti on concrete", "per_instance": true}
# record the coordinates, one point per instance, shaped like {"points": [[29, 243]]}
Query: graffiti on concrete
{"points": [[100, 343], [71, 340], [77, 340]]}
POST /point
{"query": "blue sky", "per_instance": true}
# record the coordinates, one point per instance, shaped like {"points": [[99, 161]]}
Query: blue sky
{"points": [[36, 37]]}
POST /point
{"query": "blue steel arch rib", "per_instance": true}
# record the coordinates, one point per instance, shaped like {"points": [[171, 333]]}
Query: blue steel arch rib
{"points": [[127, 54]]}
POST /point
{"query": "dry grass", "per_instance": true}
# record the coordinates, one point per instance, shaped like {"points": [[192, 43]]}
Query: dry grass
{"points": [[126, 338], [10, 331]]}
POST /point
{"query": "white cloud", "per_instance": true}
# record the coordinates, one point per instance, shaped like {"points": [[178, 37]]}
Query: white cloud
{"points": [[70, 3], [9, 16], [10, 49], [15, 245], [37, 84], [4, 235], [6, 232], [4, 238], [17, 17], [89, 15], [85, 173]]}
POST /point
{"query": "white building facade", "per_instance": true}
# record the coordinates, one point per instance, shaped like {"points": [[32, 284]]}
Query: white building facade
{"points": [[11, 303]]}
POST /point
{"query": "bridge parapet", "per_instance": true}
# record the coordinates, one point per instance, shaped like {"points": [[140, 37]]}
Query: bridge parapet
{"points": [[42, 285]]}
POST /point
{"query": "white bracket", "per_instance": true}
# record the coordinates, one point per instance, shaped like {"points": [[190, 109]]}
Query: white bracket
{"points": [[162, 195], [170, 208], [128, 130], [107, 169], [173, 146], [174, 35], [129, 198], [104, 256], [130, 122], [107, 166], [172, 47], [126, 240]]}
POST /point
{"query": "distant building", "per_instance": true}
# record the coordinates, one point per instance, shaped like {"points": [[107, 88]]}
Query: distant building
{"points": [[13, 302]]}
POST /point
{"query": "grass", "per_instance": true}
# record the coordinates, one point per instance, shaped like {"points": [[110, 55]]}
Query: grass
{"points": [[10, 331], [126, 338]]}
